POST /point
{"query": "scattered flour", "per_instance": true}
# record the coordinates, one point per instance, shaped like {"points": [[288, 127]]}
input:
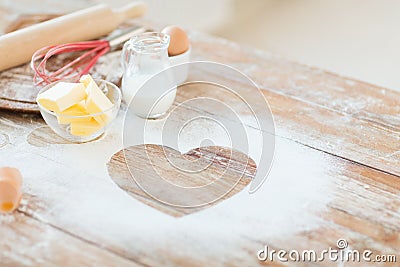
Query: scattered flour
{"points": [[72, 182]]}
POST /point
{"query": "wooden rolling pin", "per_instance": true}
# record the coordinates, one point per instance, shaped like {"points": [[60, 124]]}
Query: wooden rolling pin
{"points": [[87, 24]]}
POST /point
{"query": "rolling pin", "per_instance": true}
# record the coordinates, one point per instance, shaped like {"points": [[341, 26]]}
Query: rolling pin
{"points": [[18, 47]]}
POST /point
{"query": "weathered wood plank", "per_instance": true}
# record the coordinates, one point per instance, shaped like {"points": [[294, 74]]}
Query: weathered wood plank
{"points": [[310, 199], [319, 199], [222, 171], [28, 242], [312, 125], [310, 85], [312, 113]]}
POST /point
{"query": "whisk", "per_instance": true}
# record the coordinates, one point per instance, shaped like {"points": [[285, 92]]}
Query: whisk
{"points": [[80, 65]]}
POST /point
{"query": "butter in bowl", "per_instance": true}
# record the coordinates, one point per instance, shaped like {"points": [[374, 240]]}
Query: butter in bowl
{"points": [[79, 112]]}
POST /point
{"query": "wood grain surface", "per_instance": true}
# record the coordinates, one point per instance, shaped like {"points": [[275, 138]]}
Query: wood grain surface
{"points": [[53, 247], [336, 175], [362, 205], [225, 171]]}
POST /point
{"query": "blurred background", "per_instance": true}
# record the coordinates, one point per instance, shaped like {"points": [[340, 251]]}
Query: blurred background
{"points": [[354, 38]]}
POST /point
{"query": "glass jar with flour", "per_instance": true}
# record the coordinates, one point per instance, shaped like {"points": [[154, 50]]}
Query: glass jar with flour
{"points": [[148, 85]]}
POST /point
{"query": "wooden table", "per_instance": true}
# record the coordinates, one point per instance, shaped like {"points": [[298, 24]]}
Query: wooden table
{"points": [[336, 175]]}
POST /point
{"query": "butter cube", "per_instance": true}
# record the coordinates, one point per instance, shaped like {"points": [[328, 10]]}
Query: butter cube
{"points": [[86, 80], [85, 128], [96, 100], [76, 110], [62, 96]]}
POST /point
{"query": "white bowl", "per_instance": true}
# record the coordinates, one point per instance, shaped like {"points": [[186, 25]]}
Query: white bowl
{"points": [[181, 72]]}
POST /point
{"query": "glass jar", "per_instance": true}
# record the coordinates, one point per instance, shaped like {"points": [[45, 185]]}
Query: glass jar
{"points": [[148, 87]]}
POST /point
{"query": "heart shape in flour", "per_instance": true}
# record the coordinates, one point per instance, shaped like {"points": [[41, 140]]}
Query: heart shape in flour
{"points": [[180, 184]]}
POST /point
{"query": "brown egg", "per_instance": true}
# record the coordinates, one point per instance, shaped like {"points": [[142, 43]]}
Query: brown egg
{"points": [[10, 189], [179, 41]]}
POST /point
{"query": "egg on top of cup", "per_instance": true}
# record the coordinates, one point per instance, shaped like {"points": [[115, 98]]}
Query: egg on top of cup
{"points": [[179, 41]]}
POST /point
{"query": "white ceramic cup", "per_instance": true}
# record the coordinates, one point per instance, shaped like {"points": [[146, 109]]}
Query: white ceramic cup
{"points": [[181, 73]]}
